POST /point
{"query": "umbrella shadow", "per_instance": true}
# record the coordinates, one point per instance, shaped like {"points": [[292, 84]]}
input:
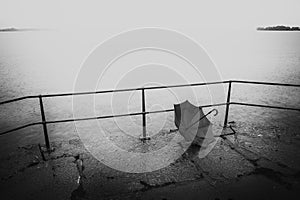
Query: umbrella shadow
{"points": [[192, 151]]}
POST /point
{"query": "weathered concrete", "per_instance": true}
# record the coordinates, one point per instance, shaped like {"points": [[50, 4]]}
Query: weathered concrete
{"points": [[251, 167]]}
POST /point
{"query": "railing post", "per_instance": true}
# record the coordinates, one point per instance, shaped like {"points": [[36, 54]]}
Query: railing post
{"points": [[227, 104], [44, 123], [144, 137]]}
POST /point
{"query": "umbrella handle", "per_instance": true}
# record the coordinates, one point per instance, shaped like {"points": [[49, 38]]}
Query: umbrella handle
{"points": [[216, 112]]}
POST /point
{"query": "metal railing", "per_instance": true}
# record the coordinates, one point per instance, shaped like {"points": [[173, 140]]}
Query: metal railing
{"points": [[44, 122]]}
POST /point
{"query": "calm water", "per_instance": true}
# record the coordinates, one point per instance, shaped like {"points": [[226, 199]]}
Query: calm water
{"points": [[48, 62]]}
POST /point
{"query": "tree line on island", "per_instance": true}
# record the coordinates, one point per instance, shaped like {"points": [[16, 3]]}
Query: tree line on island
{"points": [[18, 29], [278, 28]]}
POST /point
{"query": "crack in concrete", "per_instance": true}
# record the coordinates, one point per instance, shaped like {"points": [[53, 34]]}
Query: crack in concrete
{"points": [[256, 157], [79, 192], [64, 155], [248, 155], [273, 175], [35, 163], [204, 174], [269, 173], [31, 164], [148, 186]]}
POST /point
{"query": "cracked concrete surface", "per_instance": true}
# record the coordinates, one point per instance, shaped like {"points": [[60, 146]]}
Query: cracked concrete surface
{"points": [[251, 167]]}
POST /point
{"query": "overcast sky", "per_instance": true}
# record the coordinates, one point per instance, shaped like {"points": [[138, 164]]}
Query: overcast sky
{"points": [[131, 14]]}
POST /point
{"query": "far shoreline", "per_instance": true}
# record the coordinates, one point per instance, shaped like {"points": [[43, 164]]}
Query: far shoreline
{"points": [[4, 30], [278, 28]]}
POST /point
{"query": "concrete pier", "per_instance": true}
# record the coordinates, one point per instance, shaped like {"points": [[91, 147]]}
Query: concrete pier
{"points": [[255, 167]]}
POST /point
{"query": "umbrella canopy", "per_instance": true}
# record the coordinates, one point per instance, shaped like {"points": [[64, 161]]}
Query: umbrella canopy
{"points": [[193, 124]]}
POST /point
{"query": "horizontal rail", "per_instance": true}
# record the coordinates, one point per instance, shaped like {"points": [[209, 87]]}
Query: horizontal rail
{"points": [[87, 93], [101, 117], [19, 99], [123, 115], [20, 127], [93, 118], [265, 83], [140, 113], [264, 106], [147, 88], [133, 89], [185, 85], [148, 112]]}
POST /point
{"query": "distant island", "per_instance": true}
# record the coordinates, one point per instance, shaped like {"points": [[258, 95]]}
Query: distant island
{"points": [[17, 29], [278, 28]]}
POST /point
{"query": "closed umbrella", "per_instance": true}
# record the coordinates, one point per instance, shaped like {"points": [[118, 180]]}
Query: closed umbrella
{"points": [[193, 124]]}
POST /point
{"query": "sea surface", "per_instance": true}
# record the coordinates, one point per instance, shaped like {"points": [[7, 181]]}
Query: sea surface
{"points": [[45, 62]]}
